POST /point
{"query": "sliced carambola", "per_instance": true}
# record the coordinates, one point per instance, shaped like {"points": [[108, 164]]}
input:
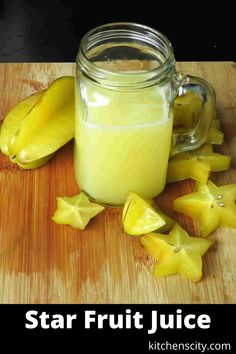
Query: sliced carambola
{"points": [[196, 164], [181, 169], [48, 126], [205, 153], [76, 211], [14, 118], [215, 136], [139, 216], [212, 206], [186, 110], [169, 223], [176, 253]]}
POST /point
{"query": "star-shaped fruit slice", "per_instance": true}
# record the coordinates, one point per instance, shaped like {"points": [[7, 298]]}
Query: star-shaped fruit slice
{"points": [[215, 136], [212, 206], [76, 211], [186, 112], [176, 253], [140, 217], [197, 164]]}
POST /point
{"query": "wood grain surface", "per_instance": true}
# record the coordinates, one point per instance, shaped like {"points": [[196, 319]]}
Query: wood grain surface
{"points": [[42, 262]]}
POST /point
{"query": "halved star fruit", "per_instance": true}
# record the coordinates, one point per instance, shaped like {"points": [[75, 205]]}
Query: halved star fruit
{"points": [[139, 216], [176, 253], [76, 211]]}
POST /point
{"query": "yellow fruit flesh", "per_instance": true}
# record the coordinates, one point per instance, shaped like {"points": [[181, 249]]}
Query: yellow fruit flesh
{"points": [[76, 211], [212, 206], [176, 253], [186, 111], [218, 162], [139, 217], [215, 136], [179, 170], [196, 164], [169, 223]]}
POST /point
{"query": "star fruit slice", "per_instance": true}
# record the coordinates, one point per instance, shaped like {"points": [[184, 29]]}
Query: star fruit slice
{"points": [[176, 253], [218, 162], [48, 125], [169, 223], [197, 164], [139, 216], [14, 118], [188, 167], [186, 111], [76, 211], [215, 136], [212, 206]]}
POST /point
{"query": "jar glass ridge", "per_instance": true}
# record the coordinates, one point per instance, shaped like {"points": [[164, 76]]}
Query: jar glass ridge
{"points": [[108, 42], [125, 89]]}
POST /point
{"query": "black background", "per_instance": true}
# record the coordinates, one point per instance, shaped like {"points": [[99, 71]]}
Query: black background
{"points": [[50, 30], [107, 340]]}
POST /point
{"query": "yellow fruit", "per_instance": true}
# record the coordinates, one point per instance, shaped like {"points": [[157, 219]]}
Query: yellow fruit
{"points": [[218, 162], [215, 136], [196, 164], [176, 253], [76, 211], [33, 164], [14, 118], [186, 111], [212, 206], [169, 223], [139, 216], [181, 169], [48, 125]]}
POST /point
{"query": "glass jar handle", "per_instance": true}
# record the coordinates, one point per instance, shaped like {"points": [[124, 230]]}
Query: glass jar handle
{"points": [[198, 135]]}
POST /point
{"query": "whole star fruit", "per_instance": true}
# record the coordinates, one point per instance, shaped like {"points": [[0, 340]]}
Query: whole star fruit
{"points": [[14, 118], [47, 126]]}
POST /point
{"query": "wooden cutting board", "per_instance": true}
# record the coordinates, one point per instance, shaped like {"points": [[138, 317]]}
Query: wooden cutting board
{"points": [[42, 262]]}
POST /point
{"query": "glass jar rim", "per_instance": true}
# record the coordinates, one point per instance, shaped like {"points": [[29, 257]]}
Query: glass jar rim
{"points": [[144, 78]]}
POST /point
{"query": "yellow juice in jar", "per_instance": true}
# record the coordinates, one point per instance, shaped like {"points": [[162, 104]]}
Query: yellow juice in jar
{"points": [[123, 144]]}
